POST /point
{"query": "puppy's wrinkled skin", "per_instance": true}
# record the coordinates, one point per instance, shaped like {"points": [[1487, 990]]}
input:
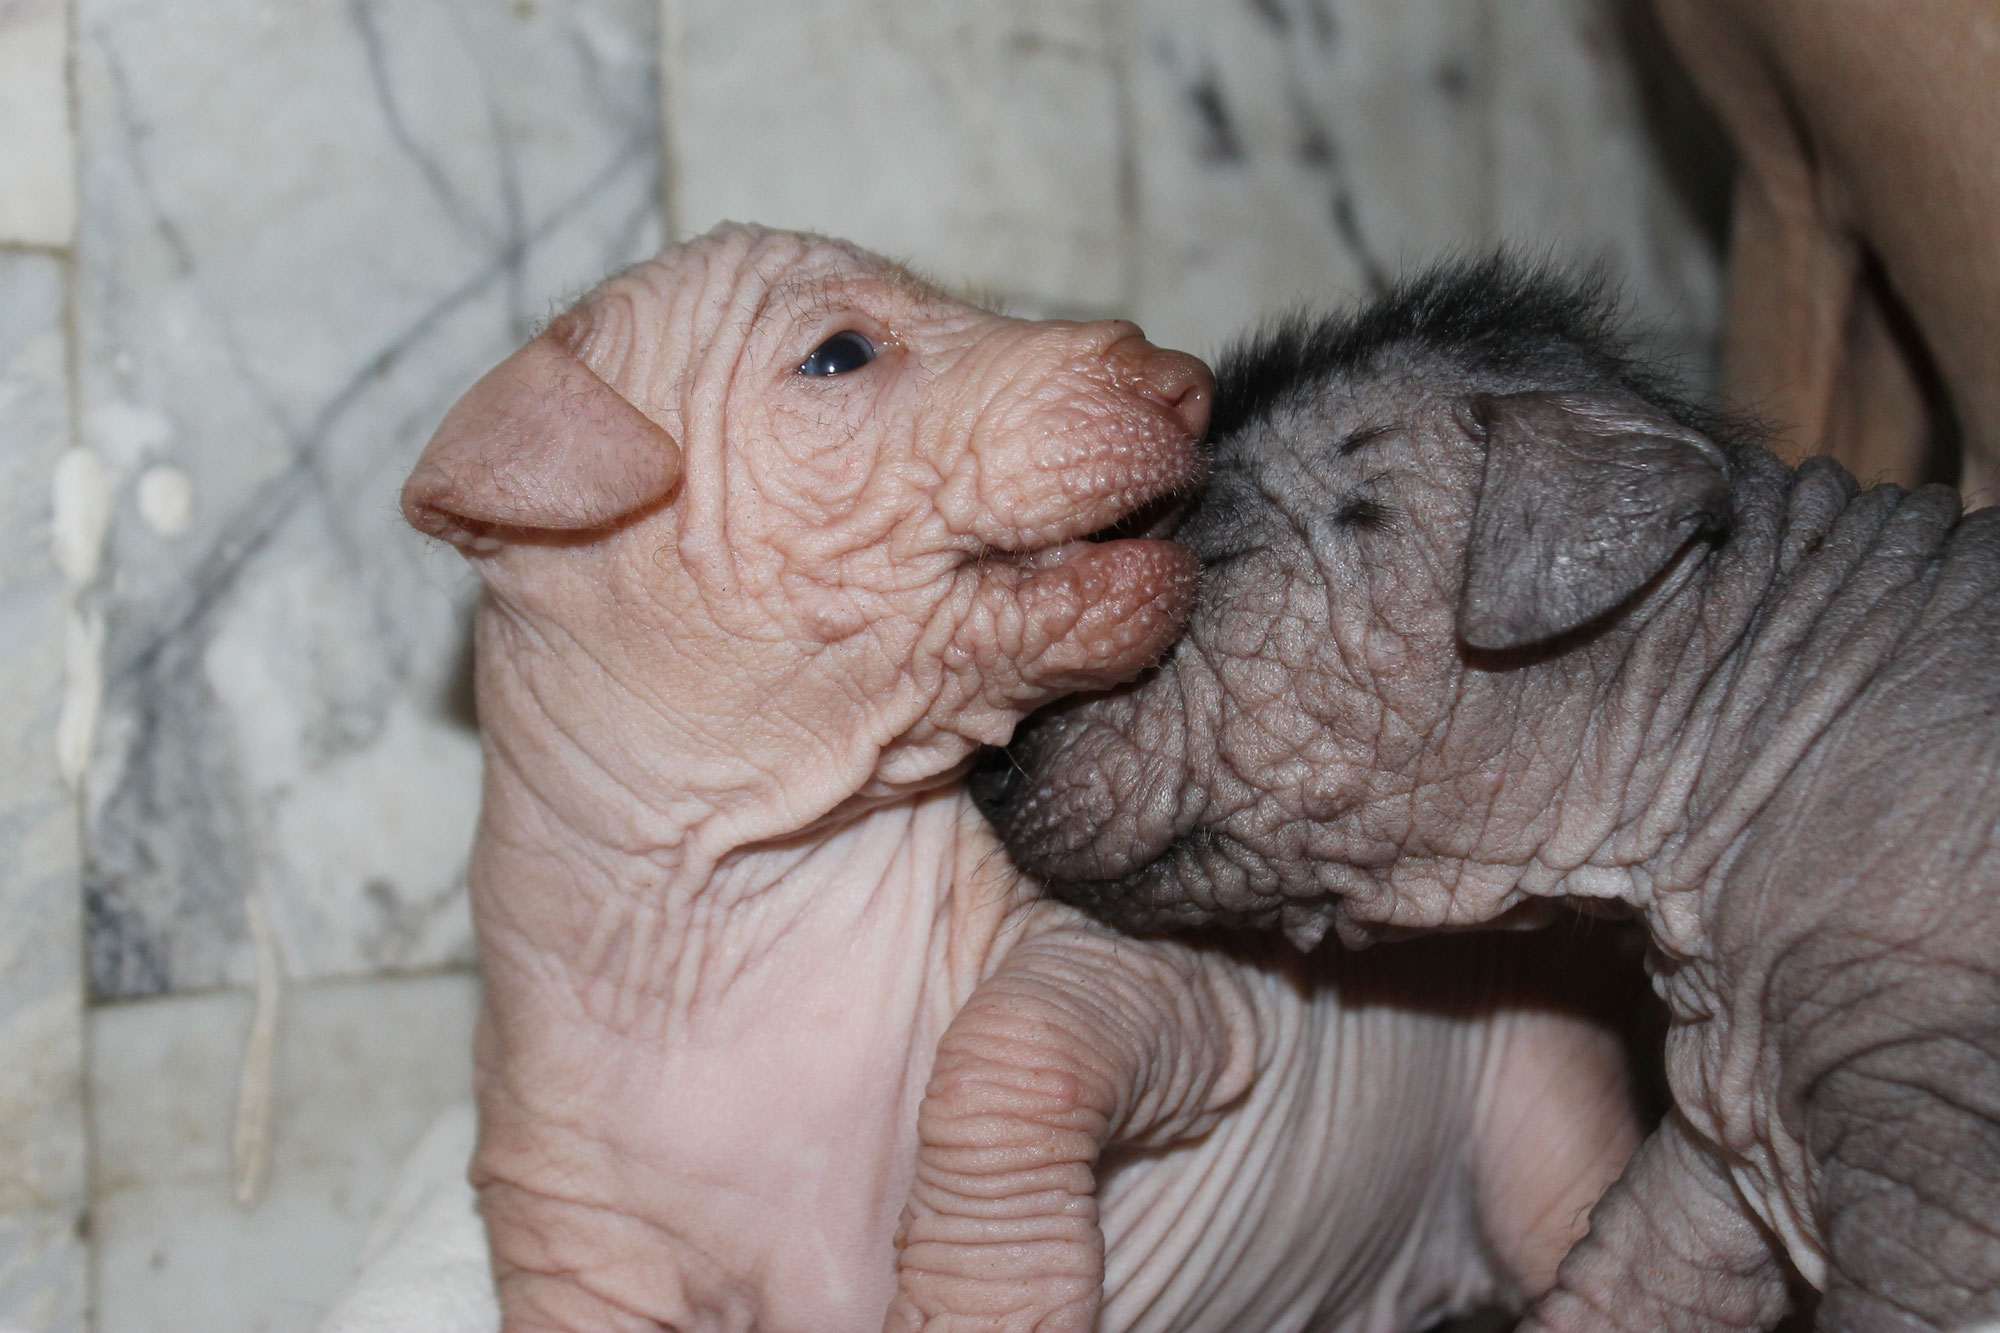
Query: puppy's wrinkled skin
{"points": [[1489, 622], [757, 974]]}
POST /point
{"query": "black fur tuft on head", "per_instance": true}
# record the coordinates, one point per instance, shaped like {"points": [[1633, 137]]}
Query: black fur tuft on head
{"points": [[1495, 314]]}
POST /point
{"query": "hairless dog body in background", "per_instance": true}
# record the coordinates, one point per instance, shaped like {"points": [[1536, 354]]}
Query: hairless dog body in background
{"points": [[1864, 253]]}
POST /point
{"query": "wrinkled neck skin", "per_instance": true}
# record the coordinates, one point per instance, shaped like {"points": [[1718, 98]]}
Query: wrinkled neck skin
{"points": [[1720, 689], [667, 989], [667, 748], [1744, 784], [1702, 696], [577, 862], [717, 1049]]}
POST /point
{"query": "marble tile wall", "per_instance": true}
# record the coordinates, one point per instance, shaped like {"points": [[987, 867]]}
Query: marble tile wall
{"points": [[37, 161], [1298, 152], [1600, 155], [1197, 164], [42, 1186], [1295, 152], [981, 141], [305, 229], [362, 1068], [43, 1183], [237, 293]]}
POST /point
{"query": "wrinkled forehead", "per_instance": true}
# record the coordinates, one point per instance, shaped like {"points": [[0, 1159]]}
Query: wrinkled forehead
{"points": [[736, 275], [1316, 425], [1403, 393]]}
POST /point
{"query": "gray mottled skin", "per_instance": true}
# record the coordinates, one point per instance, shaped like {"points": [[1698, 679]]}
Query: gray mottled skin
{"points": [[1757, 707]]}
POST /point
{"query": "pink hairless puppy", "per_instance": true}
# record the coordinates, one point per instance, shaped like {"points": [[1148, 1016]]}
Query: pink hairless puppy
{"points": [[774, 535]]}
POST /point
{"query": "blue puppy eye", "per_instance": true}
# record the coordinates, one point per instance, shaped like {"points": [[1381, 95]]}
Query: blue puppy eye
{"points": [[839, 354]]}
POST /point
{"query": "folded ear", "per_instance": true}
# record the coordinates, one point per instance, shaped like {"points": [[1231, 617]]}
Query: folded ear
{"points": [[541, 442], [1586, 497]]}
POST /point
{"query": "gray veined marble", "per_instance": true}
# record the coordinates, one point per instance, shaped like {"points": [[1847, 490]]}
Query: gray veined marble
{"points": [[42, 1182], [305, 229], [1291, 153], [1296, 152], [37, 179], [980, 140]]}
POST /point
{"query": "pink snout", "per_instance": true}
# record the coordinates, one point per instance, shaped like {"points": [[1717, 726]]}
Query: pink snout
{"points": [[1180, 383], [1109, 425]]}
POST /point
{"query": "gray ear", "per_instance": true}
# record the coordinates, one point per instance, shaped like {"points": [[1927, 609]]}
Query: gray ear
{"points": [[1586, 497]]}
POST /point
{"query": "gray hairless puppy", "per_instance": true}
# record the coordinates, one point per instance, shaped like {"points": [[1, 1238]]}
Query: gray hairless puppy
{"points": [[1490, 621]]}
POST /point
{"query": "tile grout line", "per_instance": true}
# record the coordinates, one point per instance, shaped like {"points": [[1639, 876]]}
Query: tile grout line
{"points": [[251, 1144], [73, 387]]}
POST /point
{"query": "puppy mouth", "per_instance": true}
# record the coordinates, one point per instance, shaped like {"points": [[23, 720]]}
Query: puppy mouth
{"points": [[1151, 522], [1136, 890], [1087, 481]]}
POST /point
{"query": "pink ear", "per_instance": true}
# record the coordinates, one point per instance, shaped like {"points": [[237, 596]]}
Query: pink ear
{"points": [[540, 442]]}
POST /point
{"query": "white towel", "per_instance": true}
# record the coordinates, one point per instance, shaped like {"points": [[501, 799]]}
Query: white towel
{"points": [[424, 1268]]}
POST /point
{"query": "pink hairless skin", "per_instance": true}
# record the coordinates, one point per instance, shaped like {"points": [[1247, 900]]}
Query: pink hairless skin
{"points": [[774, 535]]}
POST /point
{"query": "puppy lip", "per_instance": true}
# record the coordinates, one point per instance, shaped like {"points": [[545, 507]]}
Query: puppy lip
{"points": [[1047, 557], [1041, 558], [1152, 519], [1147, 520], [1123, 903], [1147, 523], [1149, 508]]}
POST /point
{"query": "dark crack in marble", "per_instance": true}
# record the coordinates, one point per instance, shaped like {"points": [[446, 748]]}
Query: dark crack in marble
{"points": [[282, 309]]}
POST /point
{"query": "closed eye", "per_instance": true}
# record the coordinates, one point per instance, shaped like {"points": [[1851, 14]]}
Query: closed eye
{"points": [[843, 352], [1365, 436], [1358, 512]]}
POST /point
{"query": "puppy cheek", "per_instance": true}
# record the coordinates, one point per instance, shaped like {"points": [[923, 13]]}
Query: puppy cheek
{"points": [[1086, 616]]}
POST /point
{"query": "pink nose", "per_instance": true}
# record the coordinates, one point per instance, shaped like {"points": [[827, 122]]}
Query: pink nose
{"points": [[1183, 383], [1176, 381]]}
